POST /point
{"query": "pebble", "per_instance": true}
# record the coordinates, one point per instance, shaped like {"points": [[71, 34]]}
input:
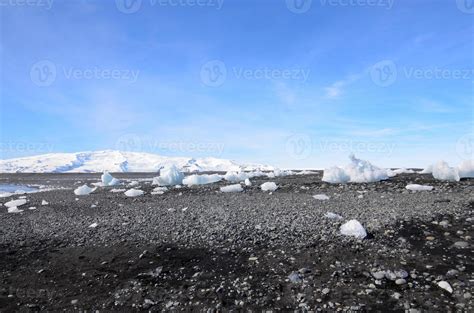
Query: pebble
{"points": [[400, 281]]}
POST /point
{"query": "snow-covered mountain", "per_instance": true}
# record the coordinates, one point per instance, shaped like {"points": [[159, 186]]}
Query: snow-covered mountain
{"points": [[117, 161]]}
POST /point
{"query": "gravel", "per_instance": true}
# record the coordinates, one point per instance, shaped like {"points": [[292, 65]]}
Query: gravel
{"points": [[247, 250]]}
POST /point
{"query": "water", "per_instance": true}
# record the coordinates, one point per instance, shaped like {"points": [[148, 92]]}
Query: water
{"points": [[11, 188]]}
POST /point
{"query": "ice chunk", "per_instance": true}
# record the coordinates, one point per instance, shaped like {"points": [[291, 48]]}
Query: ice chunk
{"points": [[159, 190], [446, 286], [109, 180], [466, 169], [14, 209], [335, 175], [32, 208], [93, 225], [133, 183], [236, 176], [333, 216], [134, 192], [83, 190], [416, 187], [248, 183], [44, 202], [169, 176], [269, 186], [358, 171], [201, 179], [15, 203], [321, 197], [353, 228], [443, 171], [232, 188], [115, 190]]}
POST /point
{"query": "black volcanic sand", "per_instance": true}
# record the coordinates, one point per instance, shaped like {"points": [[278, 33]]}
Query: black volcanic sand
{"points": [[238, 251]]}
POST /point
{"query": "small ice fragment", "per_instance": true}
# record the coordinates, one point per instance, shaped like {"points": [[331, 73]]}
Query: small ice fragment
{"points": [[83, 190], [232, 188], [333, 216], [269, 186], [322, 197], [416, 187], [134, 192], [353, 228], [446, 286], [93, 225]]}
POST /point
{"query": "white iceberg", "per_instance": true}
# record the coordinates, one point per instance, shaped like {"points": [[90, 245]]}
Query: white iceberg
{"points": [[358, 171], [169, 176], [322, 197], [416, 187], [201, 179], [269, 186], [232, 188], [443, 171], [134, 192], [83, 190], [109, 180], [353, 228]]}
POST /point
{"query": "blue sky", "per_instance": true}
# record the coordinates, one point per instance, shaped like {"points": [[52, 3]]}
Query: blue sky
{"points": [[292, 83]]}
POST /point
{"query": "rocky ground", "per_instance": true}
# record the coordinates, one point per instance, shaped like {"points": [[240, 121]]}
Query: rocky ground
{"points": [[199, 248]]}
